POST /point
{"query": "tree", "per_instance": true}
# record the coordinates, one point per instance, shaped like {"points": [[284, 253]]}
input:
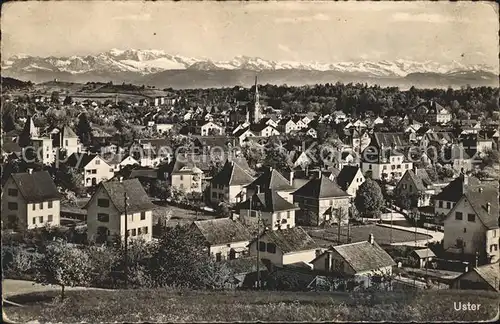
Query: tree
{"points": [[84, 130], [54, 97], [216, 275], [68, 101], [63, 265], [369, 199], [8, 123], [180, 259]]}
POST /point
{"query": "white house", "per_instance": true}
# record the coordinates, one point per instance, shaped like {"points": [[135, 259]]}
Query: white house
{"points": [[107, 208]]}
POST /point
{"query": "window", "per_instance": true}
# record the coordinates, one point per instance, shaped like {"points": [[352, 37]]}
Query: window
{"points": [[12, 192], [182, 177], [398, 166], [97, 162], [49, 204], [271, 248], [134, 232], [128, 232], [384, 167], [369, 166], [407, 166], [66, 143], [404, 186], [494, 233], [262, 246], [103, 202], [34, 220], [493, 247], [440, 204], [458, 216], [12, 206], [34, 206], [465, 230], [50, 218], [448, 205], [139, 231], [143, 215], [94, 171], [288, 215], [101, 217], [218, 257], [41, 205], [471, 217], [393, 167], [40, 219]]}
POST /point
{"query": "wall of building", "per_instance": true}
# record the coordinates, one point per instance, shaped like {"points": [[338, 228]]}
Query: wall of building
{"points": [[225, 249], [300, 256], [99, 170], [474, 234], [492, 244]]}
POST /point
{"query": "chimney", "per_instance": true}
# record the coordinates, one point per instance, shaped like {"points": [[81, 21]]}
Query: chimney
{"points": [[488, 207], [30, 171], [291, 178], [329, 258], [370, 239], [120, 179]]}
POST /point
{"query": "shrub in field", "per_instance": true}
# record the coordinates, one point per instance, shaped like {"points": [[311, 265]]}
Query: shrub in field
{"points": [[64, 265]]}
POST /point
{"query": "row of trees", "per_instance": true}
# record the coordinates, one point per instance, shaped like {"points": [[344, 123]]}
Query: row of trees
{"points": [[179, 259]]}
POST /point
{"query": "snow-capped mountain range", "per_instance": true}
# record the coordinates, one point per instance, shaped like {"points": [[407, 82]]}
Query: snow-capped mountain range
{"points": [[146, 62]]}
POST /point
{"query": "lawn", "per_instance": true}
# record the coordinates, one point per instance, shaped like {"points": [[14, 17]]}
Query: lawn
{"points": [[382, 235], [179, 215], [188, 306]]}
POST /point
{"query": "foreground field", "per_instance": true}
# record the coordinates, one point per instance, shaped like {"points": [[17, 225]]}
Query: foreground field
{"points": [[188, 306]]}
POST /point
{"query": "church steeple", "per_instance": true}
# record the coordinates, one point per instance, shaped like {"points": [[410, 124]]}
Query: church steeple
{"points": [[256, 109]]}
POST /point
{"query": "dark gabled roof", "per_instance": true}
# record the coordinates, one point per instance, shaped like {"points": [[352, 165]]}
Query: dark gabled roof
{"points": [[438, 136], [389, 139], [36, 187], [291, 239], [479, 201], [363, 256], [144, 173], [213, 141], [420, 178], [490, 274], [271, 179], [138, 199], [320, 188], [222, 231], [11, 147], [267, 201], [80, 160], [346, 176], [190, 161], [258, 127], [232, 175], [456, 188], [244, 265]]}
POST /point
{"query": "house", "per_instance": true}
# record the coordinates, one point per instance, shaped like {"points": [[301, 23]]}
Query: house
{"points": [[350, 178], [271, 179], [385, 163], [227, 185], [66, 139], [339, 116], [416, 182], [437, 114], [43, 150], [301, 160], [472, 224], [274, 211], [338, 159], [118, 161], [286, 126], [424, 256], [211, 128], [378, 121], [224, 237], [360, 139], [285, 246], [163, 128], [312, 132], [92, 166], [30, 200], [457, 157], [486, 277], [320, 200], [355, 259], [183, 173], [445, 200], [299, 123], [108, 206]]}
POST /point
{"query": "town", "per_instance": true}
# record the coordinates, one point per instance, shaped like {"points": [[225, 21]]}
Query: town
{"points": [[408, 193]]}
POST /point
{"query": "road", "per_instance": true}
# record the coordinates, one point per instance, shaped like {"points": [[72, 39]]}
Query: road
{"points": [[12, 287], [436, 236]]}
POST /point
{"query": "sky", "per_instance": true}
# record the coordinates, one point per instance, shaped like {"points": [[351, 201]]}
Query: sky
{"points": [[283, 31]]}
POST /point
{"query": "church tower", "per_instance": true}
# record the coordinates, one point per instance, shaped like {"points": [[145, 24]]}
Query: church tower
{"points": [[256, 109]]}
